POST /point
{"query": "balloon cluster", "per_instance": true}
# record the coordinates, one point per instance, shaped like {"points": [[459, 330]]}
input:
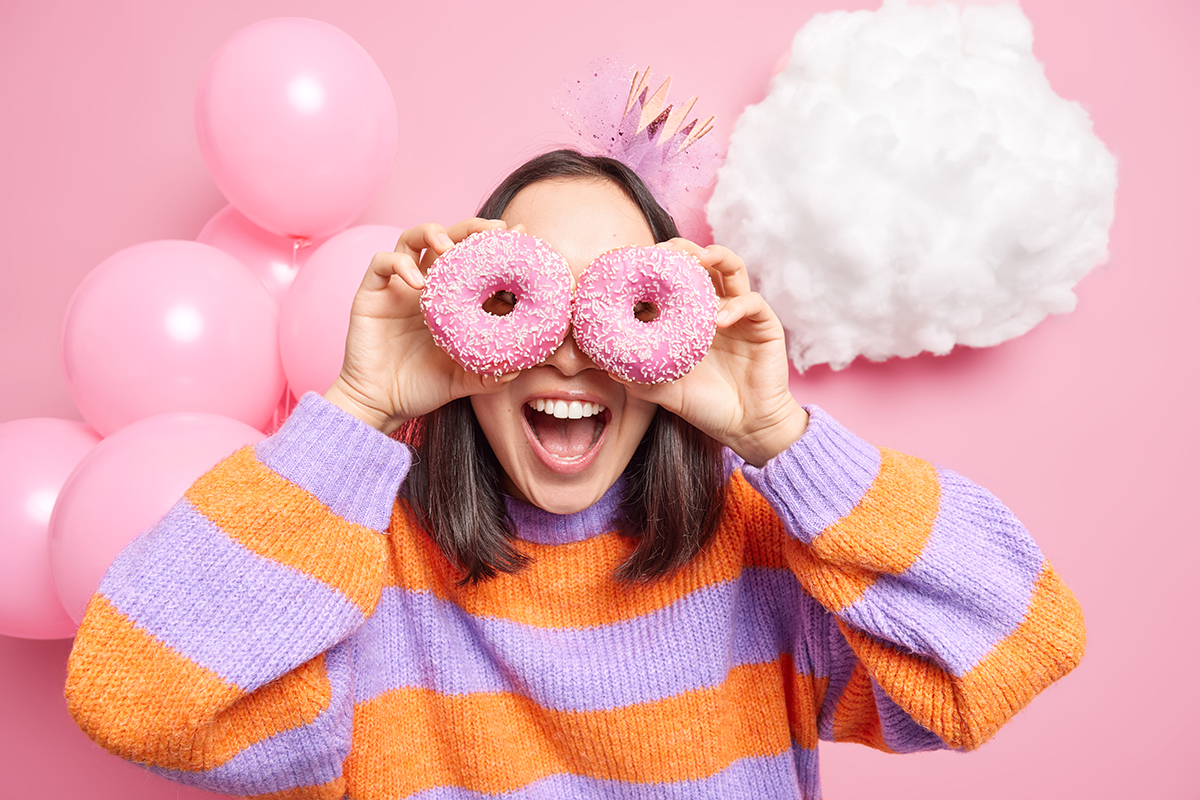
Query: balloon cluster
{"points": [[179, 352]]}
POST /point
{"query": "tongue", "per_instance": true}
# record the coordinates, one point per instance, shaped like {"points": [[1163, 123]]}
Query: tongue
{"points": [[564, 438]]}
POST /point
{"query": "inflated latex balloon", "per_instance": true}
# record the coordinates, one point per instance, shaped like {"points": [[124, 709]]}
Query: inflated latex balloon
{"points": [[172, 326], [316, 311], [125, 485], [273, 259], [297, 126], [36, 458]]}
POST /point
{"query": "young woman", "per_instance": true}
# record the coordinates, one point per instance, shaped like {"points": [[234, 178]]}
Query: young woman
{"points": [[676, 595]]}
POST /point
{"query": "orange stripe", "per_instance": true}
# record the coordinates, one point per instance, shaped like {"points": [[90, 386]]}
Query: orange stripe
{"points": [[333, 790], [146, 703], [296, 699], [968, 711], [831, 585], [316, 541], [887, 530], [572, 585], [1047, 645], [856, 718], [409, 740], [884, 534], [747, 510], [804, 703]]}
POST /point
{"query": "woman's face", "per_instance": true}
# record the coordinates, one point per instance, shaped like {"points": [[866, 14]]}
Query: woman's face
{"points": [[565, 465]]}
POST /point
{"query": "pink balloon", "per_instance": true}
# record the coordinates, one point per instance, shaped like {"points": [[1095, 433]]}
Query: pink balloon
{"points": [[171, 326], [315, 314], [36, 457], [273, 259], [125, 485], [297, 126]]}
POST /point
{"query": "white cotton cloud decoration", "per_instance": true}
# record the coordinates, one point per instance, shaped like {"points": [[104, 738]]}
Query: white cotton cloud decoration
{"points": [[912, 182]]}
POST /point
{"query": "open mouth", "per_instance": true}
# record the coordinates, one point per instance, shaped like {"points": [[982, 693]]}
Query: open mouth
{"points": [[566, 432]]}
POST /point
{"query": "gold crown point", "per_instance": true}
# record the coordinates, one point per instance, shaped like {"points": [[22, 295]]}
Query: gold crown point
{"points": [[636, 88], [654, 106], [676, 119]]}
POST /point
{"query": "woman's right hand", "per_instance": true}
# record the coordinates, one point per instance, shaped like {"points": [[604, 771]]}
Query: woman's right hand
{"points": [[393, 370]]}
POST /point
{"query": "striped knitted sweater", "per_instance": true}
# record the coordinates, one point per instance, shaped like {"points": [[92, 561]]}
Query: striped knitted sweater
{"points": [[287, 632]]}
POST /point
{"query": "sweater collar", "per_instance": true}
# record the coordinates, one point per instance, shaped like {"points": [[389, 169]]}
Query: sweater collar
{"points": [[536, 525]]}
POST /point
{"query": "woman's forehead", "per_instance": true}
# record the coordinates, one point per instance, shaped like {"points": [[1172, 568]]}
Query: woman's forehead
{"points": [[581, 218]]}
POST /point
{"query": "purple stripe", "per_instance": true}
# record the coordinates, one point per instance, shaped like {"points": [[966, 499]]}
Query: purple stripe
{"points": [[900, 731], [819, 479], [731, 462], [416, 640], [969, 588], [745, 779], [842, 662], [310, 755], [808, 770], [811, 649], [245, 617], [346, 464]]}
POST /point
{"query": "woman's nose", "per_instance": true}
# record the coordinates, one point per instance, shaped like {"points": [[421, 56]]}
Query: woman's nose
{"points": [[568, 358]]}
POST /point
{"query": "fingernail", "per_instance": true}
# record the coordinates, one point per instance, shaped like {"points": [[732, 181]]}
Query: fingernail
{"points": [[443, 241], [418, 279], [722, 315]]}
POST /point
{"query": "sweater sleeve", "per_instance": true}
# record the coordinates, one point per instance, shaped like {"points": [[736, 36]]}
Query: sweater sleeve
{"points": [[945, 617], [214, 650]]}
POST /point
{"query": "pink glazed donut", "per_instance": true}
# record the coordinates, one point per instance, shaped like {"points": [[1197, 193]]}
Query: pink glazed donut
{"points": [[463, 278], [662, 349]]}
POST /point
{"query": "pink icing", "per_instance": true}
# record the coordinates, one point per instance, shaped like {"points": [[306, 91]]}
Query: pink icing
{"points": [[465, 276], [663, 349]]}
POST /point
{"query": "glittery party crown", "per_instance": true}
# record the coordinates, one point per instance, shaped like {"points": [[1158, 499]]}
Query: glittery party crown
{"points": [[663, 124], [623, 120]]}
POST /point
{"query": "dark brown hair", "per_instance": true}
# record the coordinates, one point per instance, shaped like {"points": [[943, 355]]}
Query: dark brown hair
{"points": [[674, 483]]}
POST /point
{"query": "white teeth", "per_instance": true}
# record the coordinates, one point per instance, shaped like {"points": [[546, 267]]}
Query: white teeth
{"points": [[562, 409]]}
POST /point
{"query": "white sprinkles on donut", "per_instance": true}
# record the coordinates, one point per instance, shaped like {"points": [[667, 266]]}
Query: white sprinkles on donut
{"points": [[463, 278], [656, 351]]}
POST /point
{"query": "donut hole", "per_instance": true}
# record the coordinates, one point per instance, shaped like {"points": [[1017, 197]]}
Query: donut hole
{"points": [[645, 311], [500, 304]]}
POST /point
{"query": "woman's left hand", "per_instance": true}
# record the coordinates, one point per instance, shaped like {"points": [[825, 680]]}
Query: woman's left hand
{"points": [[739, 393]]}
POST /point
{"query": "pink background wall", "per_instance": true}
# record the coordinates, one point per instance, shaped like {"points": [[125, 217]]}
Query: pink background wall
{"points": [[1086, 426]]}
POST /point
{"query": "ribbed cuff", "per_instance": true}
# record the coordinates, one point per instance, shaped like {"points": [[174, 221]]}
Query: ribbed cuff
{"points": [[819, 479], [346, 464]]}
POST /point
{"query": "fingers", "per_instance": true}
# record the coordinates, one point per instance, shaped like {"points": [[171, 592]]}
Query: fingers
{"points": [[429, 236], [750, 307], [462, 230], [384, 265], [731, 268], [486, 384], [436, 239], [727, 270], [453, 235], [657, 393], [465, 384]]}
